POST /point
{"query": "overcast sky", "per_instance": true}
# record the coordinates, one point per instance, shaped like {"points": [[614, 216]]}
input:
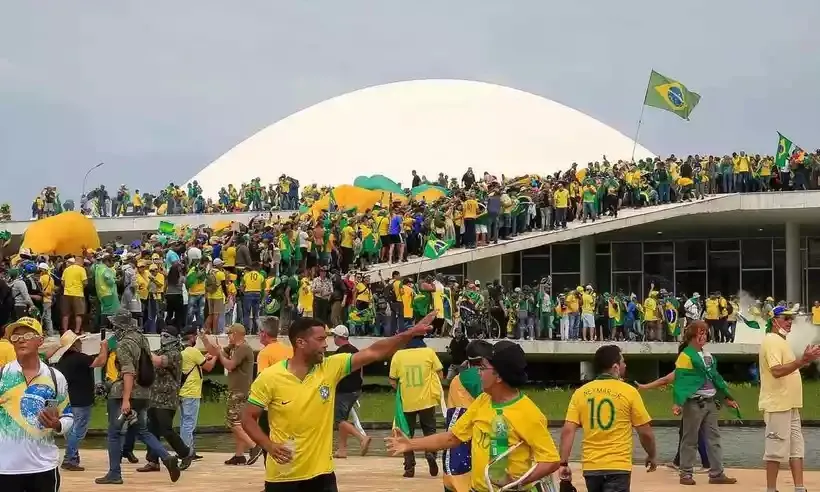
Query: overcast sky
{"points": [[157, 90]]}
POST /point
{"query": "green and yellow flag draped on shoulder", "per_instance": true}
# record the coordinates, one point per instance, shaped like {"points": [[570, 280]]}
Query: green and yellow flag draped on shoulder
{"points": [[691, 374], [671, 95]]}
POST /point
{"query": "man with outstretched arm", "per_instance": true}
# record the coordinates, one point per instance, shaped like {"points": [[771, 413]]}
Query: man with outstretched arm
{"points": [[300, 449]]}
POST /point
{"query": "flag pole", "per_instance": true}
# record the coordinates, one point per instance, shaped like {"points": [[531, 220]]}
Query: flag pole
{"points": [[640, 120]]}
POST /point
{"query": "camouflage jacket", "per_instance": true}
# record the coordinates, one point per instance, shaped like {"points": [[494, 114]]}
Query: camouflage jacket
{"points": [[128, 357], [165, 390]]}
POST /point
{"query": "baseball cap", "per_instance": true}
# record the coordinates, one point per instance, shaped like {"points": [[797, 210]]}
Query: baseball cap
{"points": [[24, 322], [507, 358], [236, 328], [43, 266], [217, 262], [479, 349], [171, 330], [340, 331], [782, 311]]}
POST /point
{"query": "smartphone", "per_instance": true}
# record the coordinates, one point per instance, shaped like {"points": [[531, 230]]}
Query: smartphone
{"points": [[51, 403]]}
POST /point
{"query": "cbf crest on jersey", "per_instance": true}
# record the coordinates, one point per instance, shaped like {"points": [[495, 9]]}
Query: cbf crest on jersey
{"points": [[324, 392]]}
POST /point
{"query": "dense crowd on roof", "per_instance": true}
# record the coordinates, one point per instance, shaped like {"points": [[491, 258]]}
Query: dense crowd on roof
{"points": [[315, 261]]}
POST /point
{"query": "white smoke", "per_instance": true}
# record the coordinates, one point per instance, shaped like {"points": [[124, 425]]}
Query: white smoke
{"points": [[803, 331]]}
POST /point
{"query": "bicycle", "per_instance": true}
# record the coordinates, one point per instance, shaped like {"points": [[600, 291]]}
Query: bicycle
{"points": [[478, 325]]}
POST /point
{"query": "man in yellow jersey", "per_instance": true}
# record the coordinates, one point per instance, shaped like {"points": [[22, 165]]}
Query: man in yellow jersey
{"points": [[251, 284], [73, 300], [588, 298], [416, 372], [502, 372], [435, 287], [194, 364], [215, 291], [47, 286], [470, 209], [463, 391], [651, 320], [561, 202], [711, 314], [607, 409], [300, 449]]}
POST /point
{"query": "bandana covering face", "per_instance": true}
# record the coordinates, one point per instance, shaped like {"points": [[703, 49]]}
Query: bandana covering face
{"points": [[170, 342]]}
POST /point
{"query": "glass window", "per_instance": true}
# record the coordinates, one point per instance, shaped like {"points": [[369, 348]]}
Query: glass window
{"points": [[659, 270], [724, 272], [603, 272], [626, 257], [724, 245], [657, 247], [540, 250], [779, 243], [779, 275], [602, 247], [814, 252], [687, 283], [511, 280], [535, 268], [566, 258], [813, 286], [563, 281], [511, 263], [628, 283], [690, 255], [758, 283], [452, 270], [757, 253]]}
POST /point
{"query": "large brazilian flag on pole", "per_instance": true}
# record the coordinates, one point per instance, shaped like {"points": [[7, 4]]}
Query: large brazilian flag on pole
{"points": [[670, 95]]}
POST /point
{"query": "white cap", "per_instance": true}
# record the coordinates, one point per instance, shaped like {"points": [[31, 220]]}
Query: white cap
{"points": [[43, 266], [695, 295], [340, 331], [217, 262], [477, 282]]}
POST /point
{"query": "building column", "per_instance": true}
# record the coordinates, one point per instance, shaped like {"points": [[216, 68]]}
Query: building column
{"points": [[485, 270], [793, 264], [588, 261], [587, 371]]}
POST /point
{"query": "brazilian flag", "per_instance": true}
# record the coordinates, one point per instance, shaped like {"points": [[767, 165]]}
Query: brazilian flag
{"points": [[670, 312], [670, 95], [434, 248]]}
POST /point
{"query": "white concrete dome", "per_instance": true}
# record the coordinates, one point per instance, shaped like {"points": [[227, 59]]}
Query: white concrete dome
{"points": [[431, 126]]}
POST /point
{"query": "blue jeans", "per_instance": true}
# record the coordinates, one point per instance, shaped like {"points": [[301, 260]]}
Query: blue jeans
{"points": [[115, 436], [196, 309], [188, 416], [149, 316], [408, 322], [728, 182], [663, 192], [396, 319], [742, 183], [574, 325], [250, 309], [77, 433]]}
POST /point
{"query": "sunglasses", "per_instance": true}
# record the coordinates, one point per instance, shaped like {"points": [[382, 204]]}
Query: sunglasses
{"points": [[25, 337]]}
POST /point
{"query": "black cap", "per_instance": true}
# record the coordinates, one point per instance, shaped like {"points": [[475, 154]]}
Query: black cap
{"points": [[508, 360], [171, 330], [479, 349]]}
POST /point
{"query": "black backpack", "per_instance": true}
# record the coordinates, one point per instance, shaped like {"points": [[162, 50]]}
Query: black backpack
{"points": [[145, 368]]}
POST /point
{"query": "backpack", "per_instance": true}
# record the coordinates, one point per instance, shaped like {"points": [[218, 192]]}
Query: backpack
{"points": [[211, 284], [145, 368]]}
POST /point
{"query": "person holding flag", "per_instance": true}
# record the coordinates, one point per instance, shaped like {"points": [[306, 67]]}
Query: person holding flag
{"points": [[464, 389], [508, 433], [698, 390], [416, 373]]}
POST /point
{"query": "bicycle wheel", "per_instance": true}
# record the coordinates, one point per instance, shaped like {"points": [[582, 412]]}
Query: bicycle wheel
{"points": [[492, 328]]}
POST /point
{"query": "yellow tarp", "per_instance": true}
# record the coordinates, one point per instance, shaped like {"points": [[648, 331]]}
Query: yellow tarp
{"points": [[429, 195], [348, 196], [68, 233]]}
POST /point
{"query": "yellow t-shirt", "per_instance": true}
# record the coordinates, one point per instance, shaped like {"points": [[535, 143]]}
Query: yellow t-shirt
{"points": [[438, 301], [383, 225], [159, 279], [348, 236], [253, 281], [229, 256], [712, 309], [470, 208], [650, 309], [73, 278], [527, 424], [271, 354], [111, 371], [197, 289], [407, 301], [7, 352], [47, 284], [561, 198], [778, 394], [607, 409], [416, 371], [815, 315], [142, 285], [305, 300], [192, 359], [587, 303], [572, 303], [363, 293], [218, 294], [288, 400]]}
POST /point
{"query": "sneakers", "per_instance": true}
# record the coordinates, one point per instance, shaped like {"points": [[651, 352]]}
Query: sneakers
{"points": [[172, 465], [255, 453], [722, 479], [185, 463], [236, 460]]}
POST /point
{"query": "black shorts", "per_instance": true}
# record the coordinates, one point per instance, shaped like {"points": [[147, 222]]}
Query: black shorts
{"points": [[321, 483], [385, 240], [344, 404], [396, 239], [608, 482], [47, 481]]}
